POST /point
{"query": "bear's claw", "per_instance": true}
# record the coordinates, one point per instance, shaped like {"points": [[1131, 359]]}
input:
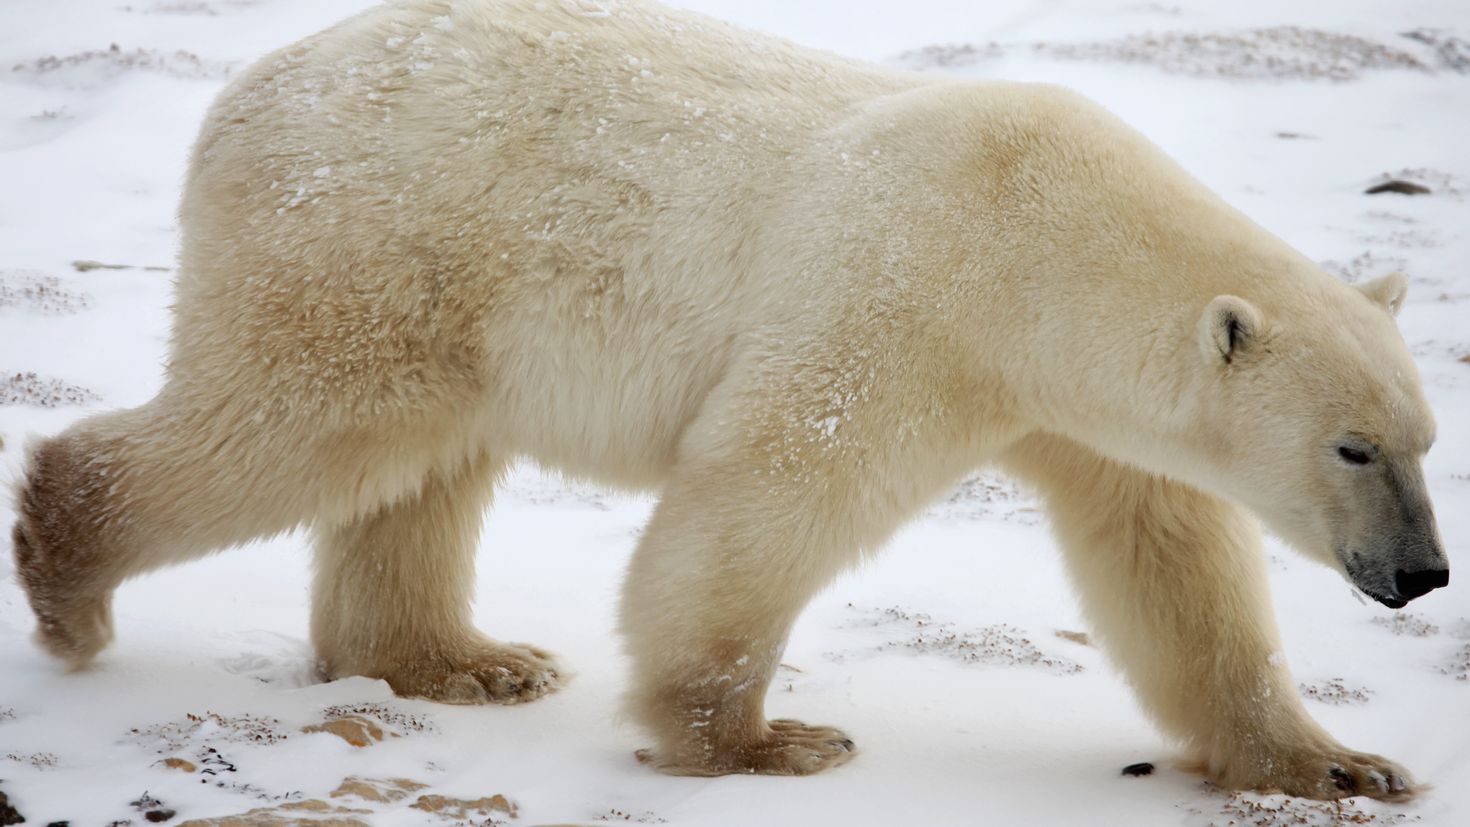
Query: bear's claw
{"points": [[485, 672], [790, 748]]}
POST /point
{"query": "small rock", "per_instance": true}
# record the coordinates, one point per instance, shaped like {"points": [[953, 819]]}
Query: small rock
{"points": [[459, 808], [316, 805], [84, 265], [354, 729], [179, 764], [1398, 186], [1075, 637], [8, 814], [382, 790], [1138, 770], [284, 817], [159, 816]]}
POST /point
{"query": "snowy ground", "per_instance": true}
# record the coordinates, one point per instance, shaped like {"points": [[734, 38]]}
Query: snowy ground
{"points": [[1003, 722]]}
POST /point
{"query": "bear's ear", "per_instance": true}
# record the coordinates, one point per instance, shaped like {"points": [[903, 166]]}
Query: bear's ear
{"points": [[1389, 291], [1227, 328]]}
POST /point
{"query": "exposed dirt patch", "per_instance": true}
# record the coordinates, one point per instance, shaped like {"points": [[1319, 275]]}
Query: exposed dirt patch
{"points": [[617, 815], [1408, 238], [1238, 809], [552, 489], [952, 55], [1363, 266], [209, 727], [1335, 692], [1458, 665], [988, 496], [1406, 624], [1452, 51], [42, 391], [383, 713], [93, 67], [39, 293], [998, 645], [34, 760], [193, 7], [1277, 53]]}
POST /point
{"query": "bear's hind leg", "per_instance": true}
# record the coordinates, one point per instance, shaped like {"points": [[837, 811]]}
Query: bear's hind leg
{"points": [[1174, 583], [120, 494], [392, 593]]}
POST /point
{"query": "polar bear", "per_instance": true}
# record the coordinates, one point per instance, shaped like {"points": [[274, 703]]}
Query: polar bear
{"points": [[798, 295]]}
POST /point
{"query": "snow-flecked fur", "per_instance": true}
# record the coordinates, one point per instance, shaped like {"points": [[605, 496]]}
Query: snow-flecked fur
{"points": [[800, 295]]}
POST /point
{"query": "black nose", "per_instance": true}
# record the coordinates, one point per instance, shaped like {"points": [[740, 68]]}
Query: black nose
{"points": [[1412, 584]]}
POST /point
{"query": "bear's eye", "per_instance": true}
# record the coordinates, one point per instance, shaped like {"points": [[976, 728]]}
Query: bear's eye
{"points": [[1353, 455]]}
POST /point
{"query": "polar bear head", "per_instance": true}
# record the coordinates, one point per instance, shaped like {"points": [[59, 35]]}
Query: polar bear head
{"points": [[1319, 425]]}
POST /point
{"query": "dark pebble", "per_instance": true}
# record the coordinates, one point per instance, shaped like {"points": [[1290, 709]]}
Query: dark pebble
{"points": [[1139, 770], [1400, 187], [8, 814], [159, 816]]}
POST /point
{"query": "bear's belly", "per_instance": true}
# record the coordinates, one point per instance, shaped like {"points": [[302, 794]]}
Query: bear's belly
{"points": [[605, 406]]}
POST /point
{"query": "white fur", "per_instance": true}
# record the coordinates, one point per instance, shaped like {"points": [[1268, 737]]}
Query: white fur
{"points": [[800, 295]]}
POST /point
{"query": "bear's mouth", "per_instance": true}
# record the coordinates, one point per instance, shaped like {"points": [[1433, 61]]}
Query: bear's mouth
{"points": [[1390, 602], [1389, 597]]}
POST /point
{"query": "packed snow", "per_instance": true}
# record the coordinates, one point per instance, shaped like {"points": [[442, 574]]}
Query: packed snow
{"points": [[958, 660]]}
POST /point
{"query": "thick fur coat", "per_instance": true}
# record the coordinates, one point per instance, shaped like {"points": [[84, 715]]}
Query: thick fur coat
{"points": [[799, 295]]}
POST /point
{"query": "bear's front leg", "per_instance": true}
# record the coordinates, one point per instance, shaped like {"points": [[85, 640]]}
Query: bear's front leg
{"points": [[772, 497], [1174, 583], [717, 582]]}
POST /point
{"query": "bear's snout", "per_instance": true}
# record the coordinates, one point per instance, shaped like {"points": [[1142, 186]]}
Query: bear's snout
{"points": [[1394, 579], [1412, 584]]}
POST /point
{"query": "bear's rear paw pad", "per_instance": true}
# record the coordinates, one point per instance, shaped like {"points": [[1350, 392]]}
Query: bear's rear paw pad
{"points": [[487, 672], [791, 748]]}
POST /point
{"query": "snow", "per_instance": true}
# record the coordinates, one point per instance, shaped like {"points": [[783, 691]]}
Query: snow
{"points": [[941, 658]]}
